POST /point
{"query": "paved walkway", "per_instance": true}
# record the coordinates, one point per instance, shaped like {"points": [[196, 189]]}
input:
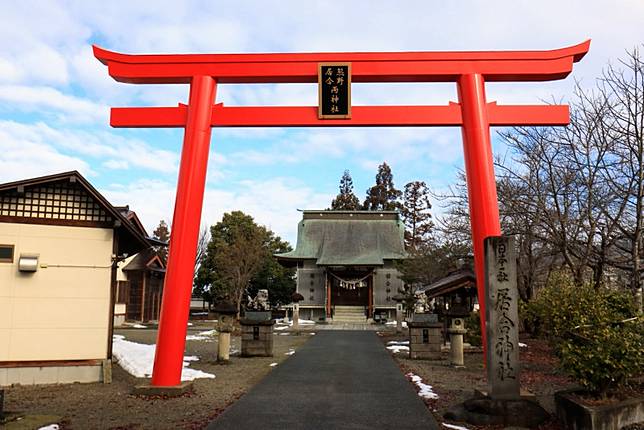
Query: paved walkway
{"points": [[337, 380]]}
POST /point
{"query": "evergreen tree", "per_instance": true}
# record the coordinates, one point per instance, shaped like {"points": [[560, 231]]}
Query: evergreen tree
{"points": [[277, 279], [346, 200], [383, 195], [415, 214], [239, 260], [162, 232]]}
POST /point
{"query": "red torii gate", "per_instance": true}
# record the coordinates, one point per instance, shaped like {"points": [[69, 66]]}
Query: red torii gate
{"points": [[470, 71]]}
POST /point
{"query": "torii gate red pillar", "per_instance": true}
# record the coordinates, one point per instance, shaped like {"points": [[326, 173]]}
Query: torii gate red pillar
{"points": [[175, 306], [479, 171], [469, 70]]}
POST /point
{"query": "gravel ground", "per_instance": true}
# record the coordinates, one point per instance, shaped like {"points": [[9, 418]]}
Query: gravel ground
{"points": [[539, 375], [110, 406]]}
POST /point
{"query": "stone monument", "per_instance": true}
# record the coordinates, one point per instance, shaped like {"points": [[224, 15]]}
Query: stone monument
{"points": [[502, 318], [424, 331], [257, 327], [502, 404]]}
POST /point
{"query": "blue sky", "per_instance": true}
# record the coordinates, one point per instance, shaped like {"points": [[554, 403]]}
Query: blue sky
{"points": [[55, 96]]}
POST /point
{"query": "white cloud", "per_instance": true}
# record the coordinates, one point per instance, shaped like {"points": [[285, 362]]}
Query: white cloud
{"points": [[97, 145], [116, 164], [22, 157], [272, 203], [396, 145], [64, 107]]}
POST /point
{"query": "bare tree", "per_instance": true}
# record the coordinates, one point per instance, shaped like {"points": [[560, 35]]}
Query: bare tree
{"points": [[623, 91], [580, 188], [202, 247]]}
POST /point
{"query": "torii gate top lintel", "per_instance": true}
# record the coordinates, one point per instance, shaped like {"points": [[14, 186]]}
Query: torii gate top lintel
{"points": [[439, 66], [473, 113]]}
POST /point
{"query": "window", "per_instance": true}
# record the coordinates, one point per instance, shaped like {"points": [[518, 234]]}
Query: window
{"points": [[6, 253]]}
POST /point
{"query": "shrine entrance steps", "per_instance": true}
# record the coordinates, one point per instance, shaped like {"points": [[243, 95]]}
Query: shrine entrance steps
{"points": [[337, 380], [349, 314]]}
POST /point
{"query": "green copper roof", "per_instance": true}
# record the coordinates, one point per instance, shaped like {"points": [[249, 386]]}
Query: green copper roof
{"points": [[348, 238]]}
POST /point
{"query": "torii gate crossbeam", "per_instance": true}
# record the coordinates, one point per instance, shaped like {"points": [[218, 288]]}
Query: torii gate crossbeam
{"points": [[469, 70]]}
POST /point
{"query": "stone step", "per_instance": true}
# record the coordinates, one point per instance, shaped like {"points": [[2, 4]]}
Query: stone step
{"points": [[349, 319], [360, 315], [341, 315]]}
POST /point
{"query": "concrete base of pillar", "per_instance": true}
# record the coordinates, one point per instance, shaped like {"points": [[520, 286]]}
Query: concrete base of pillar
{"points": [[173, 391], [486, 411]]}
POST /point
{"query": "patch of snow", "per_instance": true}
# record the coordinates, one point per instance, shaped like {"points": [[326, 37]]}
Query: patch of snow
{"points": [[50, 427], [312, 333], [455, 427], [522, 345], [289, 323], [137, 359], [397, 348], [398, 342], [189, 324], [284, 334], [203, 335], [273, 364], [393, 323], [425, 391], [138, 326], [290, 352]]}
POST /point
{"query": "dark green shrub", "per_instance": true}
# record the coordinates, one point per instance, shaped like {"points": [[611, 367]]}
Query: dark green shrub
{"points": [[473, 326], [603, 357], [586, 328]]}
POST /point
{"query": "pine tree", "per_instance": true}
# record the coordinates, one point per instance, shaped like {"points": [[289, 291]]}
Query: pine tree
{"points": [[346, 200], [415, 214], [383, 195], [162, 232]]}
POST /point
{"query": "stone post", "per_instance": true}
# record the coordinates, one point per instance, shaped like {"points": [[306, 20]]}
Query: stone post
{"points": [[399, 317], [296, 298], [502, 319], [223, 348], [456, 332], [296, 316], [225, 325], [398, 298]]}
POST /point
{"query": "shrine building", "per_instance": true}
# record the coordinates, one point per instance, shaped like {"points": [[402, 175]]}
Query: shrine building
{"points": [[346, 264]]}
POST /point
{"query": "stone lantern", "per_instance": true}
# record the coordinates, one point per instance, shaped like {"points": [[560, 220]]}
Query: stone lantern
{"points": [[225, 324]]}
